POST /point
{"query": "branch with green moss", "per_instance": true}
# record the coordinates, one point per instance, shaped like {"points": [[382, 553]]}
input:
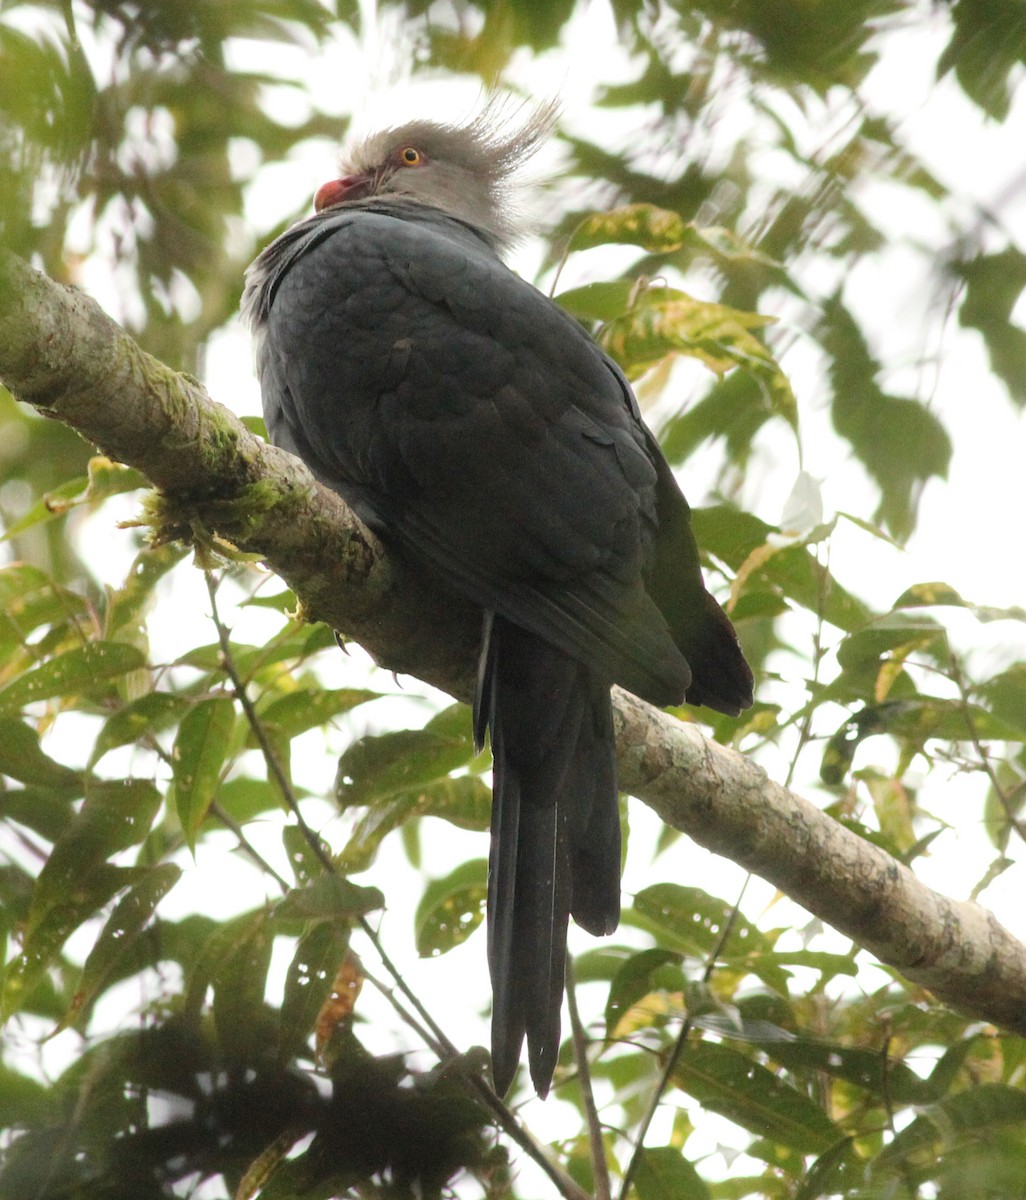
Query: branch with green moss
{"points": [[61, 354]]}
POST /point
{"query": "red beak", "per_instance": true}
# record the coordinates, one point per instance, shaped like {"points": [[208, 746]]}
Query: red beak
{"points": [[336, 191]]}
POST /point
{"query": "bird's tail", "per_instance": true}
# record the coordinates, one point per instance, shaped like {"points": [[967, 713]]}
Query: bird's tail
{"points": [[555, 848]]}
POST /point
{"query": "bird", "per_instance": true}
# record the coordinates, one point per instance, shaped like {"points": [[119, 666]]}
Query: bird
{"points": [[483, 434]]}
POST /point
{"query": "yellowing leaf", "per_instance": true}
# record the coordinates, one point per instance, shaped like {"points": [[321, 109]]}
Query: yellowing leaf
{"points": [[340, 1004], [655, 229], [451, 908], [660, 231], [647, 1012], [643, 324]]}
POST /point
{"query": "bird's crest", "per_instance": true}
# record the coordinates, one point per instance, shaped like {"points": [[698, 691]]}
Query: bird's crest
{"points": [[476, 163]]}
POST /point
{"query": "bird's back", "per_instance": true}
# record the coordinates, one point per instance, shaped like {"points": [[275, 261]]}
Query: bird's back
{"points": [[467, 417]]}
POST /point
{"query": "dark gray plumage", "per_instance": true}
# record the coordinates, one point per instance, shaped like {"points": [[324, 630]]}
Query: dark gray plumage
{"points": [[474, 425]]}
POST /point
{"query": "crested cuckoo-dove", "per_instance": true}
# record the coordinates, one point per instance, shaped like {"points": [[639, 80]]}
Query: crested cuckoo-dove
{"points": [[481, 433]]}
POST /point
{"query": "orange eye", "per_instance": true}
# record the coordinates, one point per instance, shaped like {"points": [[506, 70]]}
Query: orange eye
{"points": [[410, 157]]}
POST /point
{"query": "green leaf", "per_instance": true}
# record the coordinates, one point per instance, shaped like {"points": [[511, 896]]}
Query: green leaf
{"points": [[305, 862], [451, 908], [105, 478], [126, 605], [298, 641], [198, 758], [663, 1173], [982, 1109], [52, 926], [885, 1079], [746, 544], [994, 283], [19, 580], [734, 409], [240, 980], [742, 1090], [130, 916], [310, 708], [829, 965], [987, 50], [455, 722], [328, 898], [1004, 695], [379, 820], [255, 425], [308, 982], [243, 799], [375, 768], [116, 814], [79, 670], [55, 503], [881, 427], [643, 324], [638, 976], [901, 632], [465, 801], [30, 599], [659, 231], [45, 810], [285, 601], [925, 595], [599, 302], [22, 759], [141, 718], [23, 1101], [693, 921], [913, 722], [833, 1172]]}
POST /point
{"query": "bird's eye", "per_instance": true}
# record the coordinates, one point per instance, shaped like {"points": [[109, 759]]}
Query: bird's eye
{"points": [[410, 156]]}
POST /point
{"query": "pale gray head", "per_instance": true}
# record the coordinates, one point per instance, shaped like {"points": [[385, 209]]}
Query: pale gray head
{"points": [[465, 170]]}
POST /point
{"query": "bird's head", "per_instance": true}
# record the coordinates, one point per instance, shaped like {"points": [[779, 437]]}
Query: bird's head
{"points": [[464, 170]]}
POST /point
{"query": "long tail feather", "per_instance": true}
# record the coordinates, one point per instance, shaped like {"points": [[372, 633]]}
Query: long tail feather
{"points": [[555, 835]]}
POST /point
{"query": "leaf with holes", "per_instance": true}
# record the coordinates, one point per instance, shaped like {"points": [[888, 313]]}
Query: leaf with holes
{"points": [[307, 983], [451, 908], [83, 670]]}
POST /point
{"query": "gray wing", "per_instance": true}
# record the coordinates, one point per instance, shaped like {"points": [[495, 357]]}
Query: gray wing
{"points": [[468, 418]]}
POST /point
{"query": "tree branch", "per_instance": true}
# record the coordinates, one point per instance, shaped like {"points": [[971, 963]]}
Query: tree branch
{"points": [[60, 353]]}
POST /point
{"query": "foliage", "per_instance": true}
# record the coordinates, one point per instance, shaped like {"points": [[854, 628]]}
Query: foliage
{"points": [[122, 762]]}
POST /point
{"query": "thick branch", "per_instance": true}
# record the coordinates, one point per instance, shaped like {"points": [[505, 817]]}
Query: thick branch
{"points": [[60, 353], [725, 802]]}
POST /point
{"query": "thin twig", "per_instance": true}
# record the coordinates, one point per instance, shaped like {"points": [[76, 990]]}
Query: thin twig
{"points": [[653, 1106], [885, 1089], [247, 846], [274, 766], [670, 1066], [408, 1018], [599, 1166], [444, 1048], [1002, 797]]}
